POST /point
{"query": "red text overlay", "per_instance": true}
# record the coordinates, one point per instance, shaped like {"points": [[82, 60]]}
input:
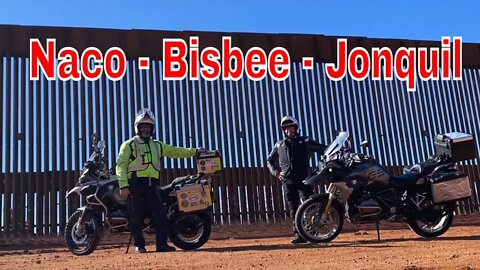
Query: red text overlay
{"points": [[406, 63], [179, 60]]}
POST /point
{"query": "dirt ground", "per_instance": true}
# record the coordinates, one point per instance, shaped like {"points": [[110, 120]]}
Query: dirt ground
{"points": [[268, 247]]}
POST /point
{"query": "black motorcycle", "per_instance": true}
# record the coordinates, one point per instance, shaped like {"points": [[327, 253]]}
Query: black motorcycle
{"points": [[361, 190], [188, 201]]}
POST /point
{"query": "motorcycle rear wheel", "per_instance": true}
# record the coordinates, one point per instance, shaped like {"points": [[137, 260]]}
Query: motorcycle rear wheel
{"points": [[88, 241], [435, 225], [190, 232], [309, 224]]}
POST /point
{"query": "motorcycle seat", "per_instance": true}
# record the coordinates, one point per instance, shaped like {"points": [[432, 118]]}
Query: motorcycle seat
{"points": [[174, 183], [406, 180], [424, 168]]}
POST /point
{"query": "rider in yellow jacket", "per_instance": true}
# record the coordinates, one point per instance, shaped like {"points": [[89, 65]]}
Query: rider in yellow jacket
{"points": [[138, 173]]}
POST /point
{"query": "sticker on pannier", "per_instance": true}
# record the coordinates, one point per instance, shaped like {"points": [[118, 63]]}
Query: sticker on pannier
{"points": [[193, 197]]}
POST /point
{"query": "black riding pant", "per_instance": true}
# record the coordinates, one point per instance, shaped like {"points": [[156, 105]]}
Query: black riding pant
{"points": [[294, 191], [144, 201]]}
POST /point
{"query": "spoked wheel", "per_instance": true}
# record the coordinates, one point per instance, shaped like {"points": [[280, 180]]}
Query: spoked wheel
{"points": [[190, 231], [82, 239], [310, 225], [434, 223]]}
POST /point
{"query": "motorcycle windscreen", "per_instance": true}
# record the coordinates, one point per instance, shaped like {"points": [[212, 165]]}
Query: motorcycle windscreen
{"points": [[335, 146]]}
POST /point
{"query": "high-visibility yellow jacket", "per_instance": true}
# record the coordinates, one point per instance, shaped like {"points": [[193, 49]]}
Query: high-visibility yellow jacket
{"points": [[136, 155]]}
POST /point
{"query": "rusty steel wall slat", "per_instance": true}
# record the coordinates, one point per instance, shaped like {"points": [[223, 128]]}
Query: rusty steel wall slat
{"points": [[351, 106], [406, 122], [31, 133], [39, 206], [246, 144], [160, 110], [209, 96], [131, 99], [387, 121], [2, 139], [267, 144], [90, 109], [23, 153], [229, 129], [85, 85], [312, 107], [464, 126], [259, 149], [275, 102], [14, 154], [358, 110], [379, 120], [393, 130], [430, 127], [7, 218], [395, 147], [241, 150], [62, 174], [68, 129], [178, 126], [53, 181], [75, 133], [412, 134], [158, 103], [166, 132], [110, 137], [343, 97], [151, 96], [142, 77], [419, 124], [136, 86], [252, 177], [464, 207], [121, 114], [104, 116], [46, 159], [324, 132], [195, 105], [221, 126], [264, 142], [118, 118]]}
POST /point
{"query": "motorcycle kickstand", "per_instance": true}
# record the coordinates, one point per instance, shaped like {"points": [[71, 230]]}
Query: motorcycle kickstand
{"points": [[129, 242], [377, 223]]}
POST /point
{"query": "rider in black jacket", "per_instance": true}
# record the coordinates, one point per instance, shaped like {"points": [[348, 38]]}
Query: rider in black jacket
{"points": [[288, 161]]}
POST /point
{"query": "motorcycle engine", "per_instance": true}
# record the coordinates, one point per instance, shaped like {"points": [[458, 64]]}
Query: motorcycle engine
{"points": [[118, 217], [364, 207]]}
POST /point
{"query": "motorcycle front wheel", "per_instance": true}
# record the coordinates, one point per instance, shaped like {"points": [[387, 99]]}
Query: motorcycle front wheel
{"points": [[310, 225], [433, 223], [190, 231], [85, 240]]}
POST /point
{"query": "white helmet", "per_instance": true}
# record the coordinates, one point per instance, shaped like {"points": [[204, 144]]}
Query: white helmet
{"points": [[288, 121], [144, 116]]}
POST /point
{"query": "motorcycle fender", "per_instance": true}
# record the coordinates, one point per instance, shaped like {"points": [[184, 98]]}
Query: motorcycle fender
{"points": [[84, 210], [75, 190], [314, 179], [207, 212], [323, 197]]}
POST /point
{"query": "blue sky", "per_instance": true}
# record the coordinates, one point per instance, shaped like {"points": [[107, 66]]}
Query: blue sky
{"points": [[423, 20]]}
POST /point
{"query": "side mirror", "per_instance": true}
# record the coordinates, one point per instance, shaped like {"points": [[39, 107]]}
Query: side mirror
{"points": [[365, 144], [101, 144]]}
